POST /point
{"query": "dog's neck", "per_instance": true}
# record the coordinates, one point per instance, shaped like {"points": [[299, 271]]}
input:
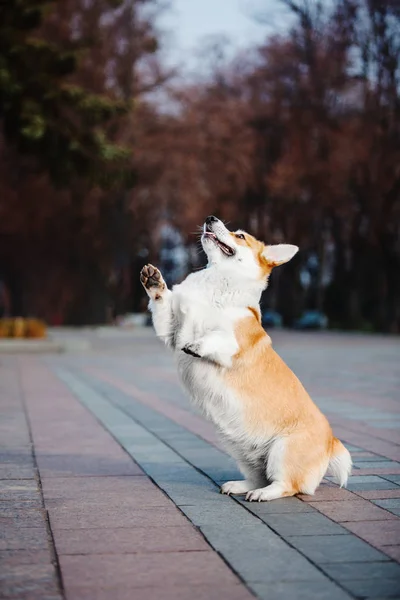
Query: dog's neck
{"points": [[223, 289]]}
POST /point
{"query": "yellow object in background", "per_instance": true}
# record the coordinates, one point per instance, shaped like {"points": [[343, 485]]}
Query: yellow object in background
{"points": [[22, 328]]}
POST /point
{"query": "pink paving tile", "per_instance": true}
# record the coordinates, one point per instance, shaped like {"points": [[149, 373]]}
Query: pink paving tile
{"points": [[353, 510], [200, 592], [112, 517], [95, 487], [111, 500], [377, 471], [392, 551], [78, 465], [328, 493], [377, 533], [132, 540], [365, 440], [145, 570]]}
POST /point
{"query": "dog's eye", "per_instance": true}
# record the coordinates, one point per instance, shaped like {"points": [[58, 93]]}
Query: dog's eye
{"points": [[240, 236]]}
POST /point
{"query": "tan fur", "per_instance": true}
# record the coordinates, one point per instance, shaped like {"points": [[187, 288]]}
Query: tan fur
{"points": [[275, 403]]}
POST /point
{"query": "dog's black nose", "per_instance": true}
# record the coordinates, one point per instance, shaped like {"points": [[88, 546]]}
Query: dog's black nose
{"points": [[211, 219]]}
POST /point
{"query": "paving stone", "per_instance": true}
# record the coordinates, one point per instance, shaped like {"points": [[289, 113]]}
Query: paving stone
{"points": [[282, 506], [11, 558], [384, 485], [371, 479], [310, 590], [378, 533], [146, 570], [20, 504], [393, 478], [376, 494], [129, 540], [15, 489], [358, 571], [94, 487], [302, 524], [392, 551], [352, 448], [388, 464], [371, 588], [198, 592], [33, 517], [353, 510], [75, 465], [327, 493], [259, 555], [89, 518], [21, 538], [336, 548], [184, 494], [19, 580], [368, 457], [390, 504], [13, 471], [218, 513]]}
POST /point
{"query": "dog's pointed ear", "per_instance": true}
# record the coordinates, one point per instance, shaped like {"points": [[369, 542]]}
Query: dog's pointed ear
{"points": [[279, 254]]}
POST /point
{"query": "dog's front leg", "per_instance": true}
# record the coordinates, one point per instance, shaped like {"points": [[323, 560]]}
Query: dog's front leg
{"points": [[160, 303], [217, 346]]}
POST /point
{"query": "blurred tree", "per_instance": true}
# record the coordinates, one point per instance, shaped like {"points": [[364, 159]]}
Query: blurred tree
{"points": [[44, 113], [61, 226]]}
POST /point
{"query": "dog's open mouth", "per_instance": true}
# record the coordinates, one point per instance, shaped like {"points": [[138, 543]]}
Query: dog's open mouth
{"points": [[227, 250]]}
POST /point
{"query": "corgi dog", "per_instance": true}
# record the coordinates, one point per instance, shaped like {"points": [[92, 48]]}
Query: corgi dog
{"points": [[281, 441]]}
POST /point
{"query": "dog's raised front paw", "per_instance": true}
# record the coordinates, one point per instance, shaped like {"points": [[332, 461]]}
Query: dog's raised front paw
{"points": [[152, 281], [192, 350]]}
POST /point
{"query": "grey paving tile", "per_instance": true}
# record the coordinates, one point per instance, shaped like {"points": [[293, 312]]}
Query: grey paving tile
{"points": [[371, 588], [393, 478], [219, 512], [281, 506], [384, 485], [351, 448], [336, 548], [312, 524], [363, 479], [259, 555], [388, 464], [311, 590], [369, 459], [391, 504], [358, 571], [189, 493]]}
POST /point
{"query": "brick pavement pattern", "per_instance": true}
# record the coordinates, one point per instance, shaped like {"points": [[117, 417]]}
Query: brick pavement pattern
{"points": [[109, 481]]}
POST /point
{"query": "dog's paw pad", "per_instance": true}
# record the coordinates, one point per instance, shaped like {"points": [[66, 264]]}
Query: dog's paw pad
{"points": [[151, 278]]}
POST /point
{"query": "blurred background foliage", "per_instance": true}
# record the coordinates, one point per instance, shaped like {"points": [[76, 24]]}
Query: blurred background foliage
{"points": [[109, 158]]}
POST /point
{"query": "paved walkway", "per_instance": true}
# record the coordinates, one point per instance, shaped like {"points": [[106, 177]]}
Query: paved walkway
{"points": [[108, 481]]}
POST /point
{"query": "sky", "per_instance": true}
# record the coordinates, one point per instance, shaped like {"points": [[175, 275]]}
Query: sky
{"points": [[190, 22]]}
